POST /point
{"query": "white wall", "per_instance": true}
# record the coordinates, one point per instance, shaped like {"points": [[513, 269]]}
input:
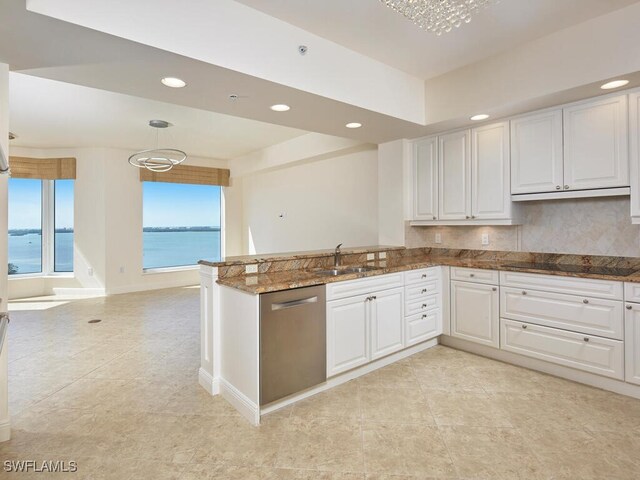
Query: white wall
{"points": [[325, 202], [107, 226], [394, 175]]}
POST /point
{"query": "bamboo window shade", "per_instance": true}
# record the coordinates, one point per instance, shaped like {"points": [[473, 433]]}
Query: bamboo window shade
{"points": [[43, 168], [188, 174]]}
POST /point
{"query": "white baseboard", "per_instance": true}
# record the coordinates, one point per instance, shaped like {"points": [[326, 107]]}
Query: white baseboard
{"points": [[144, 287], [579, 376], [350, 375], [206, 381], [79, 292], [235, 397], [5, 431]]}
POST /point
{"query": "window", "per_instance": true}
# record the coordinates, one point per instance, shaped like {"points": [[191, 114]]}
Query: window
{"points": [[25, 226], [63, 226], [40, 226], [181, 224]]}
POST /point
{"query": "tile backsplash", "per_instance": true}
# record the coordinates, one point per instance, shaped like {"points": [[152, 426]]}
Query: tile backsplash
{"points": [[591, 226]]}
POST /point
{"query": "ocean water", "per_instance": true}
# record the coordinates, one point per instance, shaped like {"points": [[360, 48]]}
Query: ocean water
{"points": [[161, 249]]}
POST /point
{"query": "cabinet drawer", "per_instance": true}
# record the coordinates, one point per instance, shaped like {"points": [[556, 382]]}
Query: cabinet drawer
{"points": [[363, 286], [584, 352], [414, 293], [632, 292], [427, 303], [587, 287], [422, 326], [476, 275], [422, 275], [594, 316]]}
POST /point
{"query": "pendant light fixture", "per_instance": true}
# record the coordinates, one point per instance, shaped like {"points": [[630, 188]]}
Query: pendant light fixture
{"points": [[158, 159]]}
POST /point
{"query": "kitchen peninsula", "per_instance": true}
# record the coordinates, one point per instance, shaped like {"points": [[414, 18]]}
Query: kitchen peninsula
{"points": [[560, 314]]}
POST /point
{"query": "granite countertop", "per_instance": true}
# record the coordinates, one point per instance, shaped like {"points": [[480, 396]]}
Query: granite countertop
{"points": [[284, 280], [266, 257]]}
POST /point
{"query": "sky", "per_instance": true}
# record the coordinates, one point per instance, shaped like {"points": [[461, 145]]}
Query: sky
{"points": [[164, 204], [178, 205]]}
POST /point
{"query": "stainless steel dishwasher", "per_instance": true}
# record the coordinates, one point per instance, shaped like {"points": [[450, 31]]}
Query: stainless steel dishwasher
{"points": [[293, 342]]}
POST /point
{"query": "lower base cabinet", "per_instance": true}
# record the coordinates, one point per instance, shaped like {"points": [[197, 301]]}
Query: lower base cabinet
{"points": [[632, 343], [363, 328], [475, 313]]}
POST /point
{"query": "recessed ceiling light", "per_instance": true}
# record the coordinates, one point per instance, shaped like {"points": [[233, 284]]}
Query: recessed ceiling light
{"points": [[480, 116], [173, 82], [280, 107], [614, 84], [353, 125]]}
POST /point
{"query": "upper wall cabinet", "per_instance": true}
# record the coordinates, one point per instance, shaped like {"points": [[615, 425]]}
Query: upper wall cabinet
{"points": [[634, 154], [425, 179], [454, 186], [462, 178], [536, 153], [577, 151], [595, 144]]}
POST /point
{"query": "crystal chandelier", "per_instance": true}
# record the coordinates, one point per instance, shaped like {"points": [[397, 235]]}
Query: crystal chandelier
{"points": [[437, 16], [158, 159]]}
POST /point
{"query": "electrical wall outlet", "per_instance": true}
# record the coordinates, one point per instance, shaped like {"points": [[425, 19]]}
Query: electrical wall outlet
{"points": [[371, 256], [485, 239], [438, 238], [251, 268], [121, 269], [382, 255], [90, 271]]}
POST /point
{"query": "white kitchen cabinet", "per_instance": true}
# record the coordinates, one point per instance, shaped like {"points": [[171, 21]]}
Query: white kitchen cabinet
{"points": [[423, 326], [387, 322], [634, 154], [425, 178], [536, 153], [454, 178], [490, 179], [595, 144], [632, 343], [347, 334], [475, 313]]}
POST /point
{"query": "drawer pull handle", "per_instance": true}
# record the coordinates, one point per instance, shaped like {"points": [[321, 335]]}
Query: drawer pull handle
{"points": [[558, 187], [566, 187], [586, 339], [424, 290], [495, 289], [524, 327], [629, 307], [472, 275], [585, 301], [424, 275], [424, 305], [524, 292], [374, 297], [424, 316]]}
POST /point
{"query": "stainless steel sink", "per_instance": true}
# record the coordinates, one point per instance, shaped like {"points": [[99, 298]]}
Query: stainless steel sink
{"points": [[345, 270]]}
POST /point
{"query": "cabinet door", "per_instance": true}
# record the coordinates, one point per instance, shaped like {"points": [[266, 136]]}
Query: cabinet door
{"points": [[425, 179], [632, 343], [595, 144], [474, 313], [536, 153], [490, 192], [454, 168], [387, 322], [634, 153], [347, 334]]}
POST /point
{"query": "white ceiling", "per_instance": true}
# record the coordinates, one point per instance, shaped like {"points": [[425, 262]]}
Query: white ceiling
{"points": [[50, 114], [372, 29]]}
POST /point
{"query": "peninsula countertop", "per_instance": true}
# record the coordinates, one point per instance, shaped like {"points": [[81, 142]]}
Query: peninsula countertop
{"points": [[626, 269]]}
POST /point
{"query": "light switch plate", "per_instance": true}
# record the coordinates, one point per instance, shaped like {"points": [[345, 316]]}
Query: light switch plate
{"points": [[251, 269], [485, 239], [438, 238]]}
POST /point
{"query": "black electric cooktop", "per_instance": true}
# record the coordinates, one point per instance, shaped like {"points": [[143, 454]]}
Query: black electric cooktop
{"points": [[568, 268]]}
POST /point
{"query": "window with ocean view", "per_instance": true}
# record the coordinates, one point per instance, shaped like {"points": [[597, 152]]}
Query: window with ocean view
{"points": [[63, 226], [181, 224], [38, 243], [25, 226]]}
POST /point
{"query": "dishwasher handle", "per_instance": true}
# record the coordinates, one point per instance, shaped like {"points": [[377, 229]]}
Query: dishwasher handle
{"points": [[294, 303]]}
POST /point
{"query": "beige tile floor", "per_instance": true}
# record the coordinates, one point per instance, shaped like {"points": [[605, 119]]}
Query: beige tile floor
{"points": [[121, 398]]}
